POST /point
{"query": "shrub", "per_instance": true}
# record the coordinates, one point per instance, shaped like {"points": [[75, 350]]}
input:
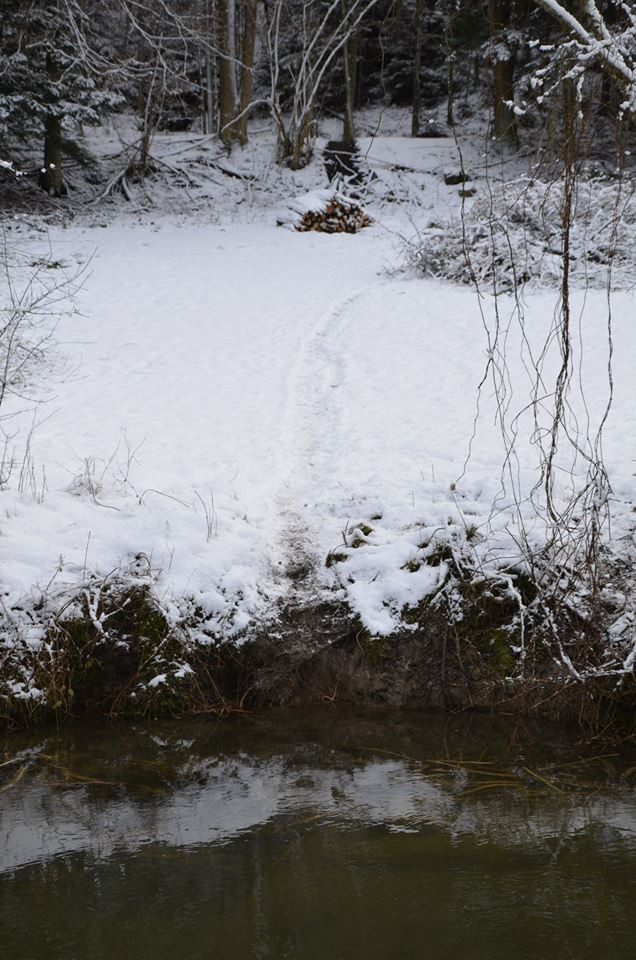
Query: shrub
{"points": [[515, 236]]}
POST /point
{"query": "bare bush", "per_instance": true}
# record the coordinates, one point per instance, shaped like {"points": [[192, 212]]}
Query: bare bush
{"points": [[34, 294], [514, 236]]}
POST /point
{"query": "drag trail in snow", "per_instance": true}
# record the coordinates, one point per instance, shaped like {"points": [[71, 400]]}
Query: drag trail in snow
{"points": [[312, 421]]}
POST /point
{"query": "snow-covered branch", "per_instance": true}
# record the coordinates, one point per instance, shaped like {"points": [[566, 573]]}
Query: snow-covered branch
{"points": [[614, 49]]}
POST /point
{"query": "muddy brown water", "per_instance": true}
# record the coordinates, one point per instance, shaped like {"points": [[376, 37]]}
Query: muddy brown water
{"points": [[326, 835]]}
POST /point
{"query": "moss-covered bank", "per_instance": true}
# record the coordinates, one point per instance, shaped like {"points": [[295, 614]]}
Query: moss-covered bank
{"points": [[122, 657]]}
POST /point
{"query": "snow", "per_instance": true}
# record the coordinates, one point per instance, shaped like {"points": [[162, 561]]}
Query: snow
{"points": [[313, 202], [235, 398], [421, 155]]}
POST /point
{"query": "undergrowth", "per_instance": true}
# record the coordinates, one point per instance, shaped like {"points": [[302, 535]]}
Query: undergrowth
{"points": [[110, 649], [512, 237], [510, 635]]}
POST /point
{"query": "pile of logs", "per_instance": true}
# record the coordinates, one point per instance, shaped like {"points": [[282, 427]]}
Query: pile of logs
{"points": [[327, 212], [338, 216]]}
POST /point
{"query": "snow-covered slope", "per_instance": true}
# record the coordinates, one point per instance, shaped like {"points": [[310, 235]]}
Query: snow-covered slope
{"points": [[237, 399]]}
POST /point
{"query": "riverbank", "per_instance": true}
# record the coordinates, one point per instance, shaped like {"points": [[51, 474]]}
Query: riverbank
{"points": [[312, 655]]}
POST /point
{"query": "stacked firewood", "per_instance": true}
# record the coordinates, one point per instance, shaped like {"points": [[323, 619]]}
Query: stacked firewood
{"points": [[326, 212]]}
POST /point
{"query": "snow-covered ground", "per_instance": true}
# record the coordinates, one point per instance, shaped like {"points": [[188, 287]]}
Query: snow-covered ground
{"points": [[232, 400]]}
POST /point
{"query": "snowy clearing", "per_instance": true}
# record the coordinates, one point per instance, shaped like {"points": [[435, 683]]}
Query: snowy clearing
{"points": [[239, 417]]}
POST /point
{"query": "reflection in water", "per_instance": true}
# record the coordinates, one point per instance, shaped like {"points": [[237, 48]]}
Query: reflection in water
{"points": [[333, 837]]}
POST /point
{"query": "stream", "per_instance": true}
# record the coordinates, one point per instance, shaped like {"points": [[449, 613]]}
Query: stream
{"points": [[326, 834]]}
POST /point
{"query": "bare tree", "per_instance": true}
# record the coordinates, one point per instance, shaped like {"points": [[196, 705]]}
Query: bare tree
{"points": [[322, 34]]}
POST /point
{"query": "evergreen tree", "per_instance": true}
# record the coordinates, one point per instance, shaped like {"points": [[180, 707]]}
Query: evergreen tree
{"points": [[49, 62]]}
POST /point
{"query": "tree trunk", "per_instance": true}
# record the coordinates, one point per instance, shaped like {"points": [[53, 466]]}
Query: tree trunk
{"points": [[349, 53], [247, 74], [209, 64], [148, 104], [502, 60], [150, 110], [228, 96], [417, 64], [504, 125], [51, 177], [451, 48], [300, 152], [398, 12]]}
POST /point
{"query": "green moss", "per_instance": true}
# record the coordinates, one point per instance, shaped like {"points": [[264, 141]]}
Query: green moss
{"points": [[103, 663], [441, 553], [528, 589], [491, 626], [136, 616], [335, 556], [376, 649], [499, 656], [412, 615]]}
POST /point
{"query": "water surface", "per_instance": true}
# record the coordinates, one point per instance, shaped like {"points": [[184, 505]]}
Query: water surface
{"points": [[329, 836]]}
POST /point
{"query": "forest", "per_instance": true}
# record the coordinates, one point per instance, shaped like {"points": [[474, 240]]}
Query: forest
{"points": [[513, 68]]}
